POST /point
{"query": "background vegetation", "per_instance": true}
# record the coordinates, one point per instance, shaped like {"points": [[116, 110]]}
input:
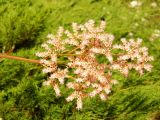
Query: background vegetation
{"points": [[24, 25]]}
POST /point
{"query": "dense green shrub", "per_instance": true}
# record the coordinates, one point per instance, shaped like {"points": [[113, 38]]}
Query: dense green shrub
{"points": [[24, 24], [21, 23]]}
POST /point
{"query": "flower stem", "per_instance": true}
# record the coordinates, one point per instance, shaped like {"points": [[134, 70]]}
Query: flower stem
{"points": [[19, 58], [25, 59], [69, 54], [74, 49]]}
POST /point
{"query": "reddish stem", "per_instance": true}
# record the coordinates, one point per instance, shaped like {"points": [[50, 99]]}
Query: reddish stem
{"points": [[19, 58]]}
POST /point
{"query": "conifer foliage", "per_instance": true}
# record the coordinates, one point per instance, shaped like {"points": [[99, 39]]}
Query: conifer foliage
{"points": [[76, 69], [21, 23]]}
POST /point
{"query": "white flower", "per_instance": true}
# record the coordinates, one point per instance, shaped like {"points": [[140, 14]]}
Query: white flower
{"points": [[93, 93], [135, 3], [107, 90], [110, 58], [54, 58], [153, 4], [79, 80], [79, 103], [71, 97], [125, 71], [114, 82], [130, 34], [57, 90], [44, 45], [60, 75], [155, 35], [50, 36], [43, 61], [70, 85], [103, 96], [124, 57], [148, 67], [47, 70], [102, 79], [47, 83], [72, 56], [102, 25], [98, 50], [115, 66], [60, 32], [71, 41], [42, 54]]}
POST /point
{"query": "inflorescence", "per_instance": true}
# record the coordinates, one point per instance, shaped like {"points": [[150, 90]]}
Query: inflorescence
{"points": [[70, 58]]}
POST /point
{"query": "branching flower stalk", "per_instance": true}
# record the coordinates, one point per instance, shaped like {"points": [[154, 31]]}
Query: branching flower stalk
{"points": [[82, 72], [90, 78]]}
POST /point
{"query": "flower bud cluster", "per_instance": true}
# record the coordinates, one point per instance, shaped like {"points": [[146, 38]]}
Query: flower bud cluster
{"points": [[70, 58]]}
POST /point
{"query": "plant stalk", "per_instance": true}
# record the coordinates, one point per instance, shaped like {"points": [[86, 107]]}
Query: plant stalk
{"points": [[19, 58]]}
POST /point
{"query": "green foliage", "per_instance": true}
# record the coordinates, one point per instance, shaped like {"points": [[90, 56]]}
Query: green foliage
{"points": [[25, 24], [21, 23]]}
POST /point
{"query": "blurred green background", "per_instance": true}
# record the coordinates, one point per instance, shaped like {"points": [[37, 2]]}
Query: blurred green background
{"points": [[24, 25]]}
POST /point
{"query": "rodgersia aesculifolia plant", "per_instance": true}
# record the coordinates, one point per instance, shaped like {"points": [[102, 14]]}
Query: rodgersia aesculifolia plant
{"points": [[70, 59]]}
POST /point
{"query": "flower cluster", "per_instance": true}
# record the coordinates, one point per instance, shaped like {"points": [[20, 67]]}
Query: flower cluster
{"points": [[70, 58]]}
